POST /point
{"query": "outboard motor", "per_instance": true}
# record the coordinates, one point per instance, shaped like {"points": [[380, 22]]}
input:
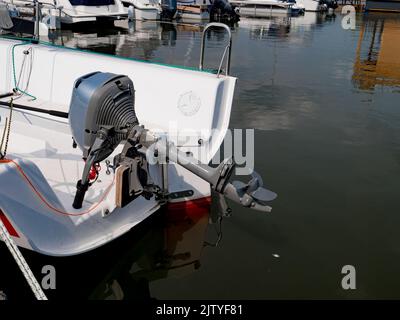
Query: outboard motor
{"points": [[101, 113], [102, 116], [222, 10]]}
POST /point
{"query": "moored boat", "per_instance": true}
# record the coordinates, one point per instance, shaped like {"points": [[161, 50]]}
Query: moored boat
{"points": [[92, 147], [145, 9], [74, 11], [265, 8]]}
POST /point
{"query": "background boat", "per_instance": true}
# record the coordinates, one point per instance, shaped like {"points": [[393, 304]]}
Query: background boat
{"points": [[264, 8], [145, 9], [75, 11]]}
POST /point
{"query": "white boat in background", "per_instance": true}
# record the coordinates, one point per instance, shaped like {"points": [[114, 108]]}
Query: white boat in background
{"points": [[74, 11], [265, 8], [145, 9], [196, 10], [142, 137], [312, 5]]}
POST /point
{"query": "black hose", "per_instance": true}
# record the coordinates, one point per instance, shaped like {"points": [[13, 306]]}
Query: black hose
{"points": [[80, 194], [6, 95], [54, 113]]}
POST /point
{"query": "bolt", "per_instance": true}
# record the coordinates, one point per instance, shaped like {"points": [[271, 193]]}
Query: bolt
{"points": [[108, 172]]}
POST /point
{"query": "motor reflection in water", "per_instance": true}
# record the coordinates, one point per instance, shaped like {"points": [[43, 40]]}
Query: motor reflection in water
{"points": [[172, 247]]}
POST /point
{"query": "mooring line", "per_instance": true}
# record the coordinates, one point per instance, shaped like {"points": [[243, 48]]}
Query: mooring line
{"points": [[21, 262]]}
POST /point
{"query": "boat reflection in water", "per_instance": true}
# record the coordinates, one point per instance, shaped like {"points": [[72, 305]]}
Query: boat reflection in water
{"points": [[281, 27], [377, 62], [172, 247], [178, 43], [263, 29], [137, 39]]}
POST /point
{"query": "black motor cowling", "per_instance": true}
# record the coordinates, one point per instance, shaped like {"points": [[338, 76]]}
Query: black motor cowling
{"points": [[331, 4], [223, 10]]}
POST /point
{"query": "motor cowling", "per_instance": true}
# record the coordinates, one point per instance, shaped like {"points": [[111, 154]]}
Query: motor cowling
{"points": [[101, 100]]}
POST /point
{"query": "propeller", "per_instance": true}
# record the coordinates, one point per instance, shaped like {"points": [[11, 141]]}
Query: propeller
{"points": [[251, 194]]}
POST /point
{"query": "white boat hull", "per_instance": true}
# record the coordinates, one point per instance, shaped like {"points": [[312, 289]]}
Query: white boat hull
{"points": [[261, 9], [147, 14], [75, 14], [144, 9], [42, 167], [194, 17], [262, 12]]}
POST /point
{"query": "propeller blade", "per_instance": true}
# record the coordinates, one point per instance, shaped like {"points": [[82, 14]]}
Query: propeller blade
{"points": [[254, 174], [239, 185], [263, 195]]}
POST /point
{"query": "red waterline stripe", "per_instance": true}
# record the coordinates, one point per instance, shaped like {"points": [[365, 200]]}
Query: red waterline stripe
{"points": [[8, 225], [195, 207]]}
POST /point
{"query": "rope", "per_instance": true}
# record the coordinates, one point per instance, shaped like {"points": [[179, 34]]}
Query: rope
{"points": [[2, 139], [219, 235], [16, 88], [21, 262], [49, 205], [12, 247], [30, 52], [6, 133]]}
